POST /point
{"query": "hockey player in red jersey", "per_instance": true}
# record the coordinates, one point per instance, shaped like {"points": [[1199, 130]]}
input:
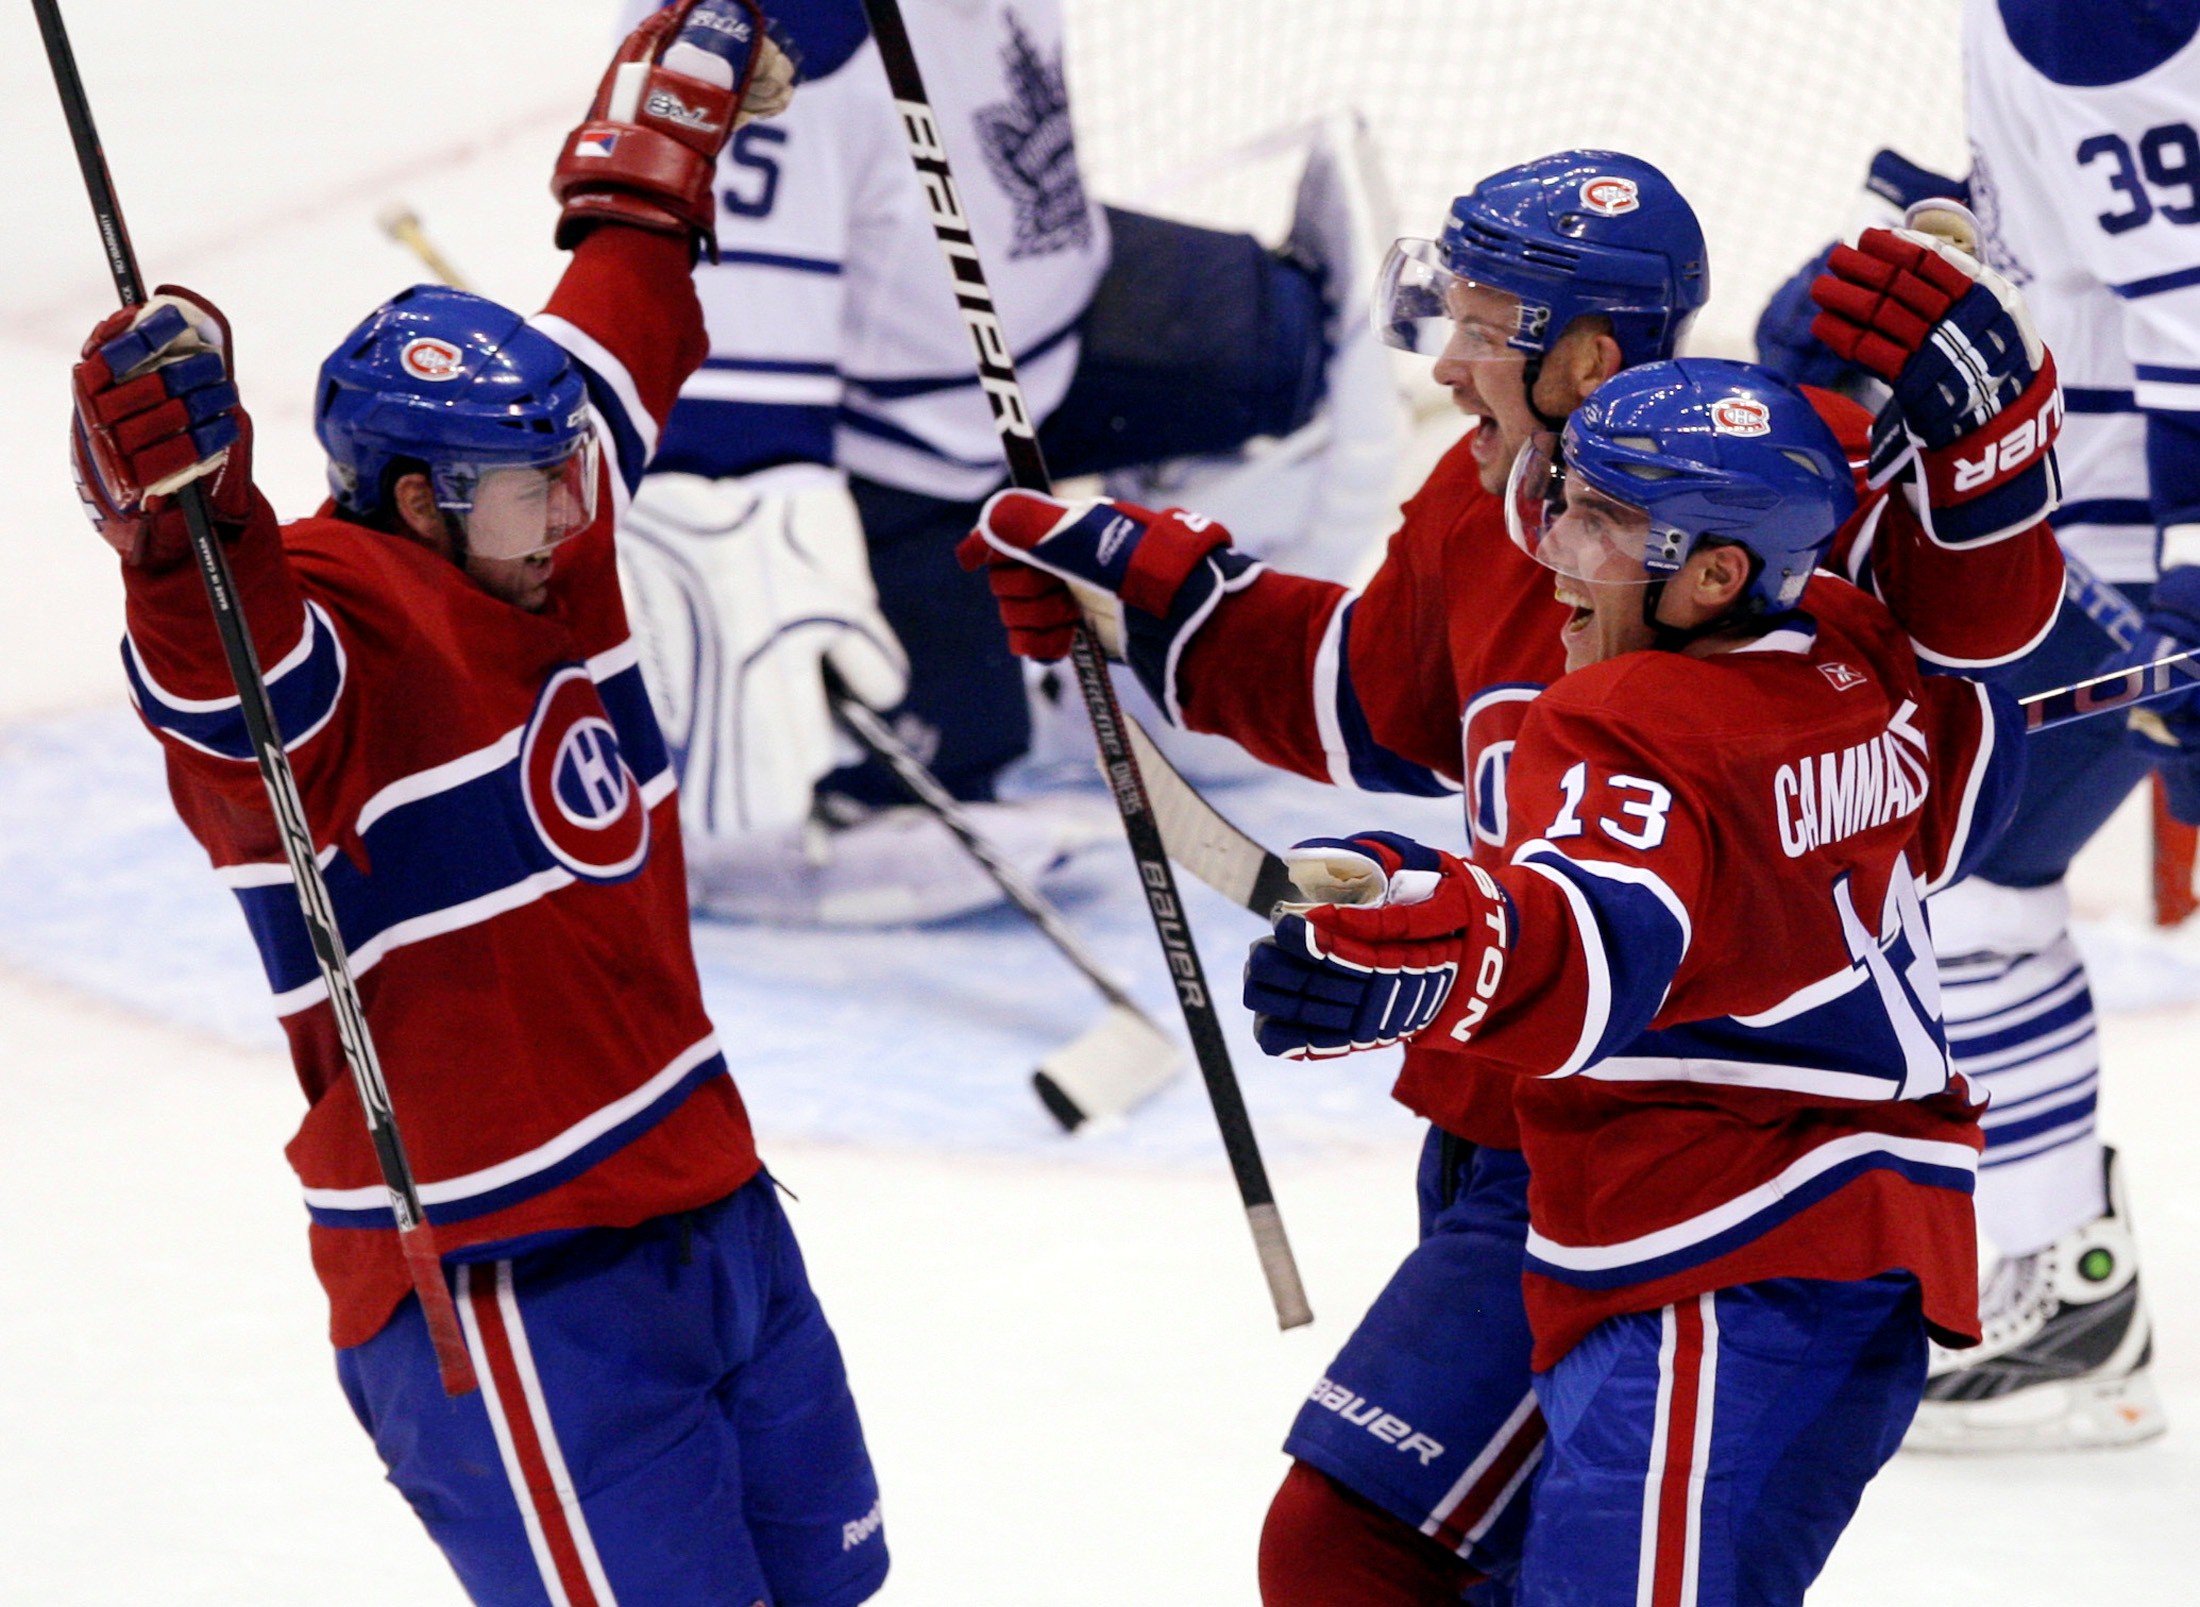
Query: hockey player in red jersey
{"points": [[1551, 277], [1704, 970], [663, 1415]]}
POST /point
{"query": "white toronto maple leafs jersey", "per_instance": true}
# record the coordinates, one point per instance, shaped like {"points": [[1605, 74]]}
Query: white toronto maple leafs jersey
{"points": [[834, 334], [2086, 177]]}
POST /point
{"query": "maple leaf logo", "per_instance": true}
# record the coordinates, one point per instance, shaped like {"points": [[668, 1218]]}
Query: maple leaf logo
{"points": [[1032, 151]]}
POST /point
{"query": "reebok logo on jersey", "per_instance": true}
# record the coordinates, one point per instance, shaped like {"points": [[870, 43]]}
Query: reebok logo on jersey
{"points": [[854, 1534], [1843, 676], [1609, 196], [1822, 799], [431, 359], [1741, 415], [1361, 1413]]}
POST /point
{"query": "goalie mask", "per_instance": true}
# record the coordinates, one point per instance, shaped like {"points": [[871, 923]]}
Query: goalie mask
{"points": [[1532, 248], [1668, 456]]}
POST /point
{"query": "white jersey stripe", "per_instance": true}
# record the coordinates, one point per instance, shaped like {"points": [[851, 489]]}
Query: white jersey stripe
{"points": [[1709, 1224], [543, 1155], [611, 371], [1329, 668]]}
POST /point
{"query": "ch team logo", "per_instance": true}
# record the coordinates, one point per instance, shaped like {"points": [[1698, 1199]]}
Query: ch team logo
{"points": [[1609, 195], [581, 798], [1741, 415], [431, 359]]}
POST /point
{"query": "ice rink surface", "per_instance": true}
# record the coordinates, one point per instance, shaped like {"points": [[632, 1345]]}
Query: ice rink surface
{"points": [[1062, 1349]]}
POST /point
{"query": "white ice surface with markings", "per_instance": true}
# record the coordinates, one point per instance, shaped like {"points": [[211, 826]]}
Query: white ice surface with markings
{"points": [[1062, 1350]]}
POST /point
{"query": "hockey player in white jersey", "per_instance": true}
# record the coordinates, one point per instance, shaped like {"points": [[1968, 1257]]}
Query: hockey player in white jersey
{"points": [[2084, 120], [837, 436]]}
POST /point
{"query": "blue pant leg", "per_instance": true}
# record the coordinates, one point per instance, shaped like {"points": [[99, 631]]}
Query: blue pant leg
{"points": [[604, 1458], [1711, 1453], [812, 1499], [2076, 774], [1428, 1410]]}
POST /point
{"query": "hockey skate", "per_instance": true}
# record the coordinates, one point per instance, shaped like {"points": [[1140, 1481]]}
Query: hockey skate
{"points": [[2064, 1360], [856, 867]]}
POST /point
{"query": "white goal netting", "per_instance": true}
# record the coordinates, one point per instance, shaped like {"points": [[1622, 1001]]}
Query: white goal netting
{"points": [[1764, 112]]}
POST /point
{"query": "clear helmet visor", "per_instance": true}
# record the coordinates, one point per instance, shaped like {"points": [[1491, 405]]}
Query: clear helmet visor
{"points": [[1569, 526], [521, 510], [1422, 306]]}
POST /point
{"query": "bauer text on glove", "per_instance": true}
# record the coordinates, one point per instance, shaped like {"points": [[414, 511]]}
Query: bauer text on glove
{"points": [[1975, 396]]}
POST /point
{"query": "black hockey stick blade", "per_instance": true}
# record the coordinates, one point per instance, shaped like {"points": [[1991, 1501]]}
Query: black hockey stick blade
{"points": [[1204, 841]]}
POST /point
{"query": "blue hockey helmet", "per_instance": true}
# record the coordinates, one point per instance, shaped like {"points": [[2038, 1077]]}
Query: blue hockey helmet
{"points": [[1577, 232], [1672, 454], [452, 380]]}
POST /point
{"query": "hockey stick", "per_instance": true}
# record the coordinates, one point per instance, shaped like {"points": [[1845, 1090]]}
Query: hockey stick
{"points": [[2123, 625], [1113, 1066], [1254, 877], [414, 1235], [1027, 468]]}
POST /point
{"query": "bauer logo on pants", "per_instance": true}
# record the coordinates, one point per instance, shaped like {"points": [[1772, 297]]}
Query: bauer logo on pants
{"points": [[581, 798], [1608, 195]]}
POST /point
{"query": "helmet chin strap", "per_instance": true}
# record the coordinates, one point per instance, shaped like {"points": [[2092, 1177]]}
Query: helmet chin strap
{"points": [[1736, 616], [454, 530], [1529, 374]]}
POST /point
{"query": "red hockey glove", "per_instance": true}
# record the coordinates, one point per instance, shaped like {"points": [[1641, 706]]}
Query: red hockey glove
{"points": [[684, 80], [1039, 549], [156, 408], [1974, 388], [1381, 957]]}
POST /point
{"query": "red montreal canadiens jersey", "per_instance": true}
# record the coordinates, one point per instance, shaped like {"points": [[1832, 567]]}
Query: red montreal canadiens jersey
{"points": [[497, 823], [1721, 1014], [1419, 683]]}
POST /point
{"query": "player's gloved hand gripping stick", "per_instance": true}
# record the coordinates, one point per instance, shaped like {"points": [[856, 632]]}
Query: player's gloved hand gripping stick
{"points": [[1027, 470], [155, 340]]}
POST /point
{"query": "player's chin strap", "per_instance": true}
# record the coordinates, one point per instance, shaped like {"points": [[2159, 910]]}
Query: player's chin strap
{"points": [[1530, 372], [1744, 618]]}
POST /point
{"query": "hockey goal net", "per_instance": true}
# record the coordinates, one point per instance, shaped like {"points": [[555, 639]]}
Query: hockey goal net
{"points": [[1765, 112]]}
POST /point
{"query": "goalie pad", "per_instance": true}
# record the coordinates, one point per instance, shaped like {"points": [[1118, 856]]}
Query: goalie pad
{"points": [[739, 591]]}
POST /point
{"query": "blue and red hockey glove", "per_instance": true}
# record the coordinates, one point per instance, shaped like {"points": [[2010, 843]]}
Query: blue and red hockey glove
{"points": [[2168, 731], [1147, 579], [1402, 939], [156, 407], [1975, 396], [647, 155]]}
